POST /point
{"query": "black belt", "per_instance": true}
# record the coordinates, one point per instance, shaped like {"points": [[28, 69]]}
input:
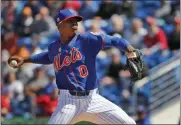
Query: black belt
{"points": [[79, 93]]}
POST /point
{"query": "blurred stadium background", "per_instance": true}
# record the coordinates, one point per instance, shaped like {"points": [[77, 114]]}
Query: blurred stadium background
{"points": [[29, 94]]}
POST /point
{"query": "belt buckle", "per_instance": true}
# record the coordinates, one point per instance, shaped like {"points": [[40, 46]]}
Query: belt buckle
{"points": [[75, 92], [80, 93]]}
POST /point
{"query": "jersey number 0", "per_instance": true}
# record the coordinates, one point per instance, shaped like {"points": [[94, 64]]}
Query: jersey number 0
{"points": [[83, 70]]}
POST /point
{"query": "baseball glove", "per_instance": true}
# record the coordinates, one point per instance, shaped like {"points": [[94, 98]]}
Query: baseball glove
{"points": [[135, 65]]}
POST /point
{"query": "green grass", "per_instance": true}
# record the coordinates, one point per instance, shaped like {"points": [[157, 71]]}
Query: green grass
{"points": [[20, 120]]}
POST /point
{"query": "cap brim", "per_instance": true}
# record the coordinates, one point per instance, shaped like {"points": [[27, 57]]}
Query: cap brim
{"points": [[80, 18]]}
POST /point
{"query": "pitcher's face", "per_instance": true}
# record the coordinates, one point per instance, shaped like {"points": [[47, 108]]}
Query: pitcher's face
{"points": [[69, 26]]}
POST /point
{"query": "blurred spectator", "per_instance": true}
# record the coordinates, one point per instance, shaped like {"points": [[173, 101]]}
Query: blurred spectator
{"points": [[9, 42], [125, 100], [156, 44], [107, 9], [102, 63], [22, 75], [143, 95], [16, 109], [44, 12], [75, 5], [142, 117], [95, 27], [164, 10], [8, 13], [174, 37], [22, 51], [48, 89], [28, 104], [37, 43], [7, 27], [118, 25], [155, 36], [38, 81], [5, 101], [52, 6], [125, 81], [25, 107], [126, 7], [109, 90], [45, 23], [137, 33], [8, 18], [35, 48], [40, 25], [52, 104], [34, 5], [88, 9], [48, 102], [25, 22], [116, 65], [14, 86], [175, 8]]}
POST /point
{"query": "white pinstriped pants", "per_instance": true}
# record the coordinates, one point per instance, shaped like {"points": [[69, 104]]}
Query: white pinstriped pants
{"points": [[92, 108]]}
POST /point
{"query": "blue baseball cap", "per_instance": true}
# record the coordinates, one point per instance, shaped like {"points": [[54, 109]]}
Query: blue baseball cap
{"points": [[66, 14]]}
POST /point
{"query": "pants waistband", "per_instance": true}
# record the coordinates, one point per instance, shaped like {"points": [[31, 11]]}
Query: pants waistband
{"points": [[78, 93]]}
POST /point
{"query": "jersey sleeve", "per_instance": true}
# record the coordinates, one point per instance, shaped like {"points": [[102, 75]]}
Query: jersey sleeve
{"points": [[100, 41], [95, 42], [112, 41], [41, 58]]}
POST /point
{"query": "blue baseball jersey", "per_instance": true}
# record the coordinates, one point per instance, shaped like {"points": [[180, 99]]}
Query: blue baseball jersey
{"points": [[74, 62]]}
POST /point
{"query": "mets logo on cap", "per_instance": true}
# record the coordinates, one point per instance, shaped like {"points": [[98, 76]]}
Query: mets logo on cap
{"points": [[66, 14], [72, 11]]}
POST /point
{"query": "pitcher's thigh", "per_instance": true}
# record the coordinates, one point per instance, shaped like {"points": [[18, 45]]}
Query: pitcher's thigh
{"points": [[115, 115], [62, 116]]}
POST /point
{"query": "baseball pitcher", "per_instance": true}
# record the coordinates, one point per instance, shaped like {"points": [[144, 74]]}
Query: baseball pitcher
{"points": [[73, 57]]}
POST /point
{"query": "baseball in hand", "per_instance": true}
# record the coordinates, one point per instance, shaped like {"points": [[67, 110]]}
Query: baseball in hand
{"points": [[13, 63]]}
